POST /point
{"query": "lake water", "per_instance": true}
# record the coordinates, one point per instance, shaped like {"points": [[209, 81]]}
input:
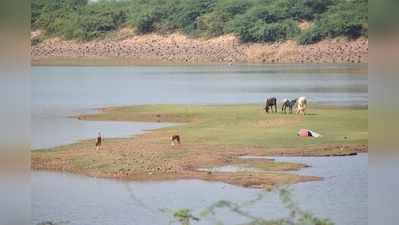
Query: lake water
{"points": [[61, 92], [80, 88], [52, 131], [71, 199]]}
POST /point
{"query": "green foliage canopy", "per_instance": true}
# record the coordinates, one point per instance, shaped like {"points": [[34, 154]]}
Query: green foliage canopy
{"points": [[251, 20]]}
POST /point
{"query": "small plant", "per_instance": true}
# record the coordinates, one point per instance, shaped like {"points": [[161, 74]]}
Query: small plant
{"points": [[296, 215], [184, 216], [310, 36]]}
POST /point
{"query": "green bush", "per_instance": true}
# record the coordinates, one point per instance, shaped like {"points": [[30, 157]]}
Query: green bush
{"points": [[215, 22], [346, 18], [309, 36], [187, 18], [145, 22], [268, 12], [272, 32], [252, 29], [212, 24]]}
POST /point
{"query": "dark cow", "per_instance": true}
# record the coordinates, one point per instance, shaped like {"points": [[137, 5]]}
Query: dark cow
{"points": [[288, 104], [270, 102]]}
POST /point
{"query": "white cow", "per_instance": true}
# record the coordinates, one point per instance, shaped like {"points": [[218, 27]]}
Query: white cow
{"points": [[302, 103]]}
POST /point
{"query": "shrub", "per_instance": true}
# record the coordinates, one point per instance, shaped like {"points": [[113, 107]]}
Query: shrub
{"points": [[277, 31], [261, 31], [187, 17], [145, 22], [212, 24], [346, 18], [310, 36]]}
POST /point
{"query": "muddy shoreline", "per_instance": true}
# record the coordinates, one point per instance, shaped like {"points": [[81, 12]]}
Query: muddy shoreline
{"points": [[187, 167], [177, 49]]}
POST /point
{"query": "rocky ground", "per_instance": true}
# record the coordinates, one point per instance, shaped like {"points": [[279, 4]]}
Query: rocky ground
{"points": [[180, 49]]}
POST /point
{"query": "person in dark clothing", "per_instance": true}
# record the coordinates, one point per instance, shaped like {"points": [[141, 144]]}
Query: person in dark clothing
{"points": [[98, 142]]}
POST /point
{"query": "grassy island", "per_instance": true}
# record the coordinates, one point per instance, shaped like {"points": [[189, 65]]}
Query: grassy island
{"points": [[212, 136]]}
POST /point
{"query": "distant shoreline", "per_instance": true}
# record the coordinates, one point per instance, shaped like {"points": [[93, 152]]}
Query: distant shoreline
{"points": [[115, 61], [109, 61], [177, 49]]}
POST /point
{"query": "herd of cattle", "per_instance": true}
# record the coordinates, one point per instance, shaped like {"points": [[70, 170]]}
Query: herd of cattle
{"points": [[301, 103]]}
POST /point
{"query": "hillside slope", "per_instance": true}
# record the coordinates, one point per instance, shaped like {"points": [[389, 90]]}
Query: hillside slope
{"points": [[179, 49]]}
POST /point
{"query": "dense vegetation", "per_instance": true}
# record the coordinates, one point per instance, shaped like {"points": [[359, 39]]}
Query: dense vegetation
{"points": [[251, 20]]}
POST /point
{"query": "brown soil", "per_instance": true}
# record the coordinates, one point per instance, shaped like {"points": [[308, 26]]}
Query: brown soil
{"points": [[179, 49]]}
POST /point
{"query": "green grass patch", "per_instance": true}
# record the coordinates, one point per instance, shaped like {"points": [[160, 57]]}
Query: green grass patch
{"points": [[249, 125]]}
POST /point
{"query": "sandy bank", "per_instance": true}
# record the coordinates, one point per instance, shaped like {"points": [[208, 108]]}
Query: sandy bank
{"points": [[179, 49]]}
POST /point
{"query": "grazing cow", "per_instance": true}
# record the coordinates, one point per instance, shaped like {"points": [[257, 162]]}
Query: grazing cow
{"points": [[175, 139], [302, 103], [288, 103], [284, 104], [270, 102]]}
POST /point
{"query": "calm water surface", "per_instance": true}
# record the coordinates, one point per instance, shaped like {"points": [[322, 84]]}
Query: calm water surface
{"points": [[76, 200], [74, 88], [52, 131], [60, 92]]}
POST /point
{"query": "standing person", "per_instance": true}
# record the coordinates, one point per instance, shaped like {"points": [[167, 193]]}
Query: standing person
{"points": [[98, 142]]}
